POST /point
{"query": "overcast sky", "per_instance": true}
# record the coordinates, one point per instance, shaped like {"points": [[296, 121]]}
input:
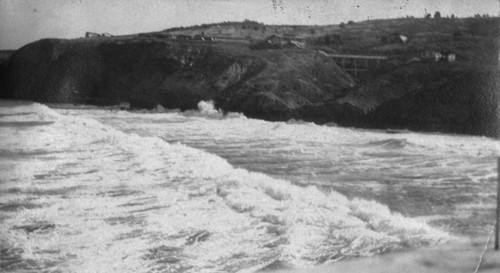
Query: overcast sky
{"points": [[24, 21]]}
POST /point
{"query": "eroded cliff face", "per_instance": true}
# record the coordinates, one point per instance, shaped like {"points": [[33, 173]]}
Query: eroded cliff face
{"points": [[147, 72]]}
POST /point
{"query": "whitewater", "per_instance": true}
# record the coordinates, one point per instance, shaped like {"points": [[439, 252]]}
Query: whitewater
{"points": [[87, 189]]}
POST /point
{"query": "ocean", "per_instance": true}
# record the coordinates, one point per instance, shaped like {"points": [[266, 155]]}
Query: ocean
{"points": [[88, 189]]}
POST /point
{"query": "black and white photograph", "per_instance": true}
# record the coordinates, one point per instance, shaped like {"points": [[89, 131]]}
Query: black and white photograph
{"points": [[292, 136]]}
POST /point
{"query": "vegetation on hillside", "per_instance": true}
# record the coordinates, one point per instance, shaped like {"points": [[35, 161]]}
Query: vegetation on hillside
{"points": [[473, 40], [243, 70]]}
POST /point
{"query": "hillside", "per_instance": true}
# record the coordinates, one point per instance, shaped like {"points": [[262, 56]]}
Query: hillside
{"points": [[472, 39], [179, 67], [175, 74]]}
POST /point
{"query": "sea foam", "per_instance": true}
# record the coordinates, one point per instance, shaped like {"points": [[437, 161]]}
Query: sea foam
{"points": [[95, 198]]}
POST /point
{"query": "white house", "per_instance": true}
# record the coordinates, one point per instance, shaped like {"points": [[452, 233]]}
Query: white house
{"points": [[434, 56], [91, 34], [403, 38], [449, 57], [431, 56]]}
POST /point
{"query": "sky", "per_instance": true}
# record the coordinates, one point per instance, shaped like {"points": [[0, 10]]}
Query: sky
{"points": [[25, 21]]}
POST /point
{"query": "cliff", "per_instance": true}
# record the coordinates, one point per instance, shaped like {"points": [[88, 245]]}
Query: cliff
{"points": [[175, 74], [438, 97]]}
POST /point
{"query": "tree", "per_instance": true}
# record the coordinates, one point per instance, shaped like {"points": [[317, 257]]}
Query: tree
{"points": [[437, 15], [428, 16]]}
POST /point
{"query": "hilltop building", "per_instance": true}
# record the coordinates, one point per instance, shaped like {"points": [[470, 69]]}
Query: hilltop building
{"points": [[400, 38], [275, 39], [286, 40], [199, 37], [449, 57], [430, 56], [91, 34], [435, 56]]}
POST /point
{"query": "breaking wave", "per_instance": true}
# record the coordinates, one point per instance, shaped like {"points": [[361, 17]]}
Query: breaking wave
{"points": [[95, 198], [205, 109]]}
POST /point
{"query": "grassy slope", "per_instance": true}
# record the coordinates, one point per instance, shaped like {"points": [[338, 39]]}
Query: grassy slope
{"points": [[366, 36]]}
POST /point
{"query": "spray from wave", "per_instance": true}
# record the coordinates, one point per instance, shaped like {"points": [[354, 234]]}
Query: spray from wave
{"points": [[97, 199]]}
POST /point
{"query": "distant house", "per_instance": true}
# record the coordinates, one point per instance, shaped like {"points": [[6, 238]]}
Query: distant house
{"points": [[403, 38], [199, 37], [435, 56], [202, 37], [105, 34], [276, 39], [400, 38], [286, 40], [448, 57], [91, 34], [430, 56], [298, 44], [294, 41]]}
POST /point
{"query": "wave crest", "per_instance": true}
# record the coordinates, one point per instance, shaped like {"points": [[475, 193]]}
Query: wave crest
{"points": [[137, 200]]}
